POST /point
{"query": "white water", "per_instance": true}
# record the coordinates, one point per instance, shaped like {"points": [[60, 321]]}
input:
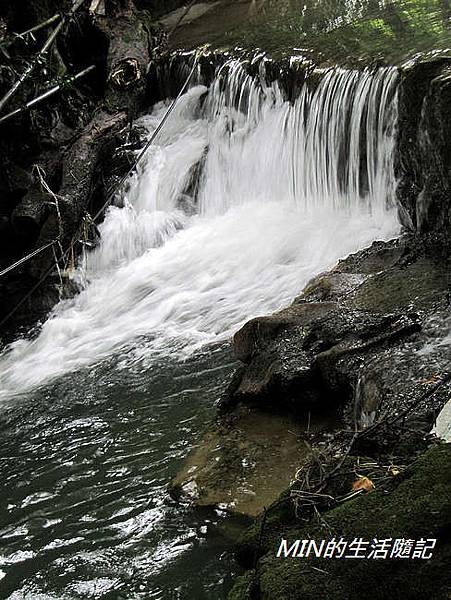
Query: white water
{"points": [[442, 427], [285, 193]]}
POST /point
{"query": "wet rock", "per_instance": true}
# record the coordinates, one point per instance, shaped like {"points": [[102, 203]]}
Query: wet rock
{"points": [[256, 334], [29, 215], [188, 201], [380, 256], [298, 363], [369, 341], [336, 344], [417, 505], [28, 302], [423, 155], [81, 162], [330, 287], [414, 285], [245, 460], [69, 140]]}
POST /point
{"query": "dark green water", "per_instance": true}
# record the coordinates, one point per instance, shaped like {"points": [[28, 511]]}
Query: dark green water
{"points": [[85, 464], [328, 31]]}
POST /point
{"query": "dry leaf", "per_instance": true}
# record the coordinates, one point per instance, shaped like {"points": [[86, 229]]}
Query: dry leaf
{"points": [[433, 379], [393, 471], [363, 483]]}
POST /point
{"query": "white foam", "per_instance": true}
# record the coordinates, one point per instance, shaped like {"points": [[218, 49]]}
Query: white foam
{"points": [[280, 199]]}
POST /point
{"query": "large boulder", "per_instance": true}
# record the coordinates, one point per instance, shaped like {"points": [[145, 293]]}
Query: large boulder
{"points": [[335, 345]]}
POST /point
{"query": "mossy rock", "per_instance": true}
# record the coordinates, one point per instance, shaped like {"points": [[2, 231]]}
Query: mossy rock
{"points": [[419, 507], [258, 538], [243, 588]]}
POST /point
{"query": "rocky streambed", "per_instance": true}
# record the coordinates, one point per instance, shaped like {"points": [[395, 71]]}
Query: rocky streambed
{"points": [[364, 352], [345, 385], [341, 387]]}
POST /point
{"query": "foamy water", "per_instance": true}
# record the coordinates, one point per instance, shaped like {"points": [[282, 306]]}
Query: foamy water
{"points": [[285, 191]]}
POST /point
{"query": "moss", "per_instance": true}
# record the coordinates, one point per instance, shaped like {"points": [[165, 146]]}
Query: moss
{"points": [[329, 32], [242, 590], [255, 540], [419, 506]]}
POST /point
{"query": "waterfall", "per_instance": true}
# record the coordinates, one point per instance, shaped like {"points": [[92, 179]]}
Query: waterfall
{"points": [[241, 200], [331, 148]]}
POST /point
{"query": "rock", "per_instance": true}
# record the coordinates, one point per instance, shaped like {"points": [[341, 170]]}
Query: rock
{"points": [[379, 257], [417, 284], [257, 333], [81, 161], [29, 215], [423, 154], [331, 287], [246, 460], [188, 201], [416, 505], [334, 346], [294, 359], [70, 138]]}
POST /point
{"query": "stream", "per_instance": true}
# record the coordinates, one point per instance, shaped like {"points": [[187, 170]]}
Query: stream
{"points": [[240, 201]]}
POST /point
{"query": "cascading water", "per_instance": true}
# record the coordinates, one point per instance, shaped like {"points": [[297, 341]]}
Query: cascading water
{"points": [[285, 190], [243, 198]]}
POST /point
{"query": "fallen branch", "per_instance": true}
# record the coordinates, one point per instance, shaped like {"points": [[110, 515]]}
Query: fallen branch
{"points": [[43, 25], [46, 94], [40, 55], [388, 421]]}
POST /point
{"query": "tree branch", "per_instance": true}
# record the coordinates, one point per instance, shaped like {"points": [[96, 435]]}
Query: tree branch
{"points": [[43, 25], [40, 54], [45, 95]]}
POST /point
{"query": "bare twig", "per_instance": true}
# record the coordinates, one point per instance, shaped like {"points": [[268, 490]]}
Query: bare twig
{"points": [[45, 95], [34, 29], [40, 55], [340, 462], [40, 176], [387, 421]]}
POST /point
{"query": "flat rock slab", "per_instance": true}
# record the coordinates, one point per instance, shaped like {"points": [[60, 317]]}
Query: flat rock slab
{"points": [[196, 12], [244, 462]]}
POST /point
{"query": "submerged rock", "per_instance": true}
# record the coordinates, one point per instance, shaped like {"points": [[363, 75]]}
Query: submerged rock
{"points": [[245, 461]]}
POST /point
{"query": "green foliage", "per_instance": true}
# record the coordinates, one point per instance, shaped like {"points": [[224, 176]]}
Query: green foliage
{"points": [[335, 31]]}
